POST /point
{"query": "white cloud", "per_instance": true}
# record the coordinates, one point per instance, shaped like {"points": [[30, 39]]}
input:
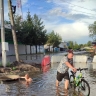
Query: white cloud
{"points": [[71, 31], [82, 15], [82, 10], [24, 1], [48, 1]]}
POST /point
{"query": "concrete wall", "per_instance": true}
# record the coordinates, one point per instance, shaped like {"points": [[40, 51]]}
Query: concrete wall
{"points": [[56, 59], [80, 58], [76, 58], [94, 59], [94, 66], [22, 49], [80, 65], [11, 50]]}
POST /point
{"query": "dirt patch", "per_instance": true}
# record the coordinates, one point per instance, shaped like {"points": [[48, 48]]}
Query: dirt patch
{"points": [[21, 67]]}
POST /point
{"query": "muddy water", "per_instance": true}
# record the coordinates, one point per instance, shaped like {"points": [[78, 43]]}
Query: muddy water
{"points": [[44, 83]]}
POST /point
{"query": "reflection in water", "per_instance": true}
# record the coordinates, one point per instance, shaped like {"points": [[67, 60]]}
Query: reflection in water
{"points": [[24, 57], [45, 68], [44, 83], [27, 84], [59, 92]]}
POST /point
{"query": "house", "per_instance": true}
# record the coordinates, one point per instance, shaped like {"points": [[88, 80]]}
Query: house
{"points": [[63, 46]]}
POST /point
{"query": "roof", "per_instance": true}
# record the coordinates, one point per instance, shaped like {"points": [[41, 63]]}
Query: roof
{"points": [[93, 42]]}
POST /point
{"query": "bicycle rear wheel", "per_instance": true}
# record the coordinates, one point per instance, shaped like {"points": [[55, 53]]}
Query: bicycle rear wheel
{"points": [[84, 87]]}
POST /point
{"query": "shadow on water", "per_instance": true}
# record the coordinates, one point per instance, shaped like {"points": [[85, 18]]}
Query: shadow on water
{"points": [[44, 83]]}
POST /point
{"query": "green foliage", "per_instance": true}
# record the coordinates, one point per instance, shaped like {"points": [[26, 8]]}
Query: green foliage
{"points": [[92, 31], [54, 39], [8, 64], [75, 46], [89, 43], [31, 30], [0, 64], [71, 45], [13, 68]]}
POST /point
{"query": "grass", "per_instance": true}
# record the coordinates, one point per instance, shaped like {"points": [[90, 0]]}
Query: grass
{"points": [[8, 64], [0, 64]]}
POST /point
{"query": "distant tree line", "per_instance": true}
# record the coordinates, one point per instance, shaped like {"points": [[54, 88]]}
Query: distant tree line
{"points": [[75, 46]]}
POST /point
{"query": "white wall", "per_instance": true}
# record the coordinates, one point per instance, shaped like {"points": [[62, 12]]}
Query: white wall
{"points": [[11, 49], [28, 49], [21, 49], [76, 58], [56, 58], [80, 58], [94, 59]]}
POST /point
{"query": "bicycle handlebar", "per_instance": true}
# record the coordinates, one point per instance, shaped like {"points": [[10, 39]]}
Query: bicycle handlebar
{"points": [[80, 69]]}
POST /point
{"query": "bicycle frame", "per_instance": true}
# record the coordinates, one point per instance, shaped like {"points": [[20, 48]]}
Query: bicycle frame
{"points": [[79, 78], [79, 82]]}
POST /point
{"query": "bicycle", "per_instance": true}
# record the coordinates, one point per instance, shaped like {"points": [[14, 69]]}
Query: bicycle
{"points": [[79, 82]]}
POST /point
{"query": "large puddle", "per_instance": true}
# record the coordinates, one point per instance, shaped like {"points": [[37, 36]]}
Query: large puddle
{"points": [[44, 83]]}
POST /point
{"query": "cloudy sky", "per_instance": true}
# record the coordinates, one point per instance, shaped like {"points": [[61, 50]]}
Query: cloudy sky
{"points": [[69, 18]]}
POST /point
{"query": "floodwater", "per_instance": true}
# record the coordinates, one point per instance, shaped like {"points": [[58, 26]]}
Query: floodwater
{"points": [[44, 83], [25, 58]]}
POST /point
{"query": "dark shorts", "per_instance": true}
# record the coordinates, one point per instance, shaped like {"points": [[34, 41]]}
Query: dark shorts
{"points": [[60, 76]]}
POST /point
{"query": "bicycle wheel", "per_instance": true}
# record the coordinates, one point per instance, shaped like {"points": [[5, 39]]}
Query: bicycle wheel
{"points": [[71, 81], [84, 87]]}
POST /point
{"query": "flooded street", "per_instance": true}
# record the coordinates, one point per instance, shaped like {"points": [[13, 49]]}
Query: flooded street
{"points": [[44, 83]]}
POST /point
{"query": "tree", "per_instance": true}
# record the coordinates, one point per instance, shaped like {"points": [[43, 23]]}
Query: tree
{"points": [[40, 36], [71, 45], [92, 31], [32, 31], [54, 39], [89, 43], [76, 46], [80, 46]]}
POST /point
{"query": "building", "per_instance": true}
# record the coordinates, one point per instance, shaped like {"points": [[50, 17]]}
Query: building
{"points": [[63, 46]]}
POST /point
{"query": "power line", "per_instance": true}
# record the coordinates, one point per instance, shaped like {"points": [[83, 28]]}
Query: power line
{"points": [[79, 6], [81, 12], [84, 12], [74, 9]]}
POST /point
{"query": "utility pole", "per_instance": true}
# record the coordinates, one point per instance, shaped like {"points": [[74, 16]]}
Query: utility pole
{"points": [[3, 34], [13, 30]]}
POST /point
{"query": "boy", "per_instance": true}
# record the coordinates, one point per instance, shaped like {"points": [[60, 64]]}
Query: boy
{"points": [[62, 70]]}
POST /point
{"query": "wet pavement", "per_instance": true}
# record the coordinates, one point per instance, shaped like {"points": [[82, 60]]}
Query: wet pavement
{"points": [[44, 83]]}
